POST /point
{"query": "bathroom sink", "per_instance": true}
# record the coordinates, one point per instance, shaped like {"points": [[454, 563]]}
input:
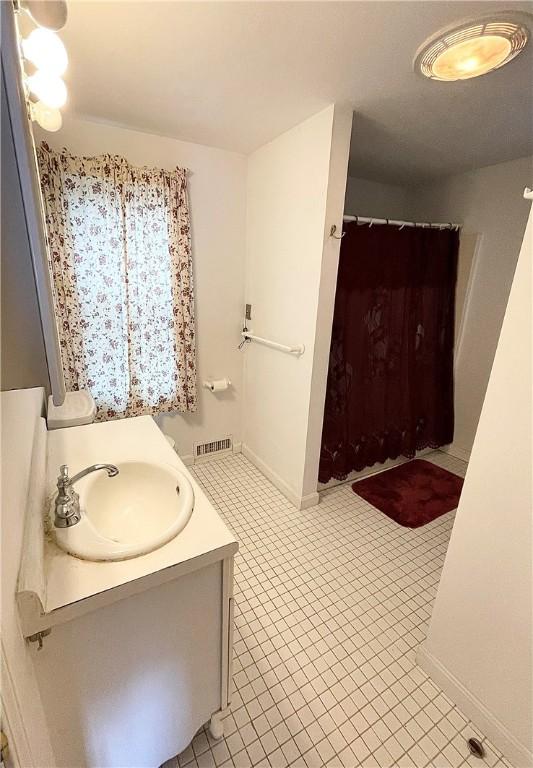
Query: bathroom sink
{"points": [[143, 507]]}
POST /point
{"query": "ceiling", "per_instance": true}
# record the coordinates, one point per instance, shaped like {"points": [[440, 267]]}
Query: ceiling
{"points": [[237, 74]]}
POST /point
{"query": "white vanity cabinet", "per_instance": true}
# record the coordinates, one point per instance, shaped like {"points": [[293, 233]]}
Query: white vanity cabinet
{"points": [[129, 684], [138, 656]]}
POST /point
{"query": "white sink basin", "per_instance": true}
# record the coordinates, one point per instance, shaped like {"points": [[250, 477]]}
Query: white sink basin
{"points": [[143, 507]]}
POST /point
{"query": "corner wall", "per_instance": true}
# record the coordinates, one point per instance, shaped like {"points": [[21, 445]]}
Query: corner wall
{"points": [[488, 201], [376, 199], [339, 156], [291, 200], [478, 647]]}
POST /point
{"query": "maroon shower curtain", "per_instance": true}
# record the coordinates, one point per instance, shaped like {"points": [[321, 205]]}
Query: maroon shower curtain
{"points": [[390, 378]]}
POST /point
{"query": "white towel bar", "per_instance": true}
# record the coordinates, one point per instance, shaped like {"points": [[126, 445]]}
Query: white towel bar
{"points": [[298, 350]]}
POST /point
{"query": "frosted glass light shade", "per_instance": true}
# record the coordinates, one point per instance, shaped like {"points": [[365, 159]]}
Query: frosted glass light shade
{"points": [[48, 118], [52, 13], [45, 49], [472, 48], [472, 58], [49, 89]]}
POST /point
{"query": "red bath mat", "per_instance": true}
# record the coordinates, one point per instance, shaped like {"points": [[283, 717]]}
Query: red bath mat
{"points": [[413, 494]]}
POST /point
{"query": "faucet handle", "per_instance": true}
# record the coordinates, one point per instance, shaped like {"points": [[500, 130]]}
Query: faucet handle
{"points": [[63, 478]]}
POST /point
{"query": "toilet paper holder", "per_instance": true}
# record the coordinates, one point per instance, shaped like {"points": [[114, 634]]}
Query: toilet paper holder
{"points": [[217, 385]]}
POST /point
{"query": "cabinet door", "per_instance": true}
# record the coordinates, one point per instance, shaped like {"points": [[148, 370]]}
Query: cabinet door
{"points": [[130, 683]]}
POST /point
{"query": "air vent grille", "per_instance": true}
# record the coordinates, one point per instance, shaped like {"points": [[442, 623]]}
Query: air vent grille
{"points": [[207, 450]]}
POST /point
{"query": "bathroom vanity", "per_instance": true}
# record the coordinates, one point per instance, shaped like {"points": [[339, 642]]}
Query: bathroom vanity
{"points": [[131, 656]]}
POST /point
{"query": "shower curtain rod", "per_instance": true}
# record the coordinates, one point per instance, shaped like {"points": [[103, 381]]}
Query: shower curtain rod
{"points": [[401, 224]]}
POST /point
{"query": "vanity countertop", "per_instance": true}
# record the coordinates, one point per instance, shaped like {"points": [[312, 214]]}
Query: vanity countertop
{"points": [[73, 586]]}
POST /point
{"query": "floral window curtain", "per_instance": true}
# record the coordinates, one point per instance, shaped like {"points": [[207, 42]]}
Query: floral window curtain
{"points": [[121, 267]]}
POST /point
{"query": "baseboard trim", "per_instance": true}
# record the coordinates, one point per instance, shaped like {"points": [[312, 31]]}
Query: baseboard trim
{"points": [[311, 500], [473, 708], [454, 450], [300, 502]]}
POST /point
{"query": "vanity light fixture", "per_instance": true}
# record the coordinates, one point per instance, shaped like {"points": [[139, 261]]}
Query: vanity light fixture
{"points": [[44, 59], [51, 14], [472, 48], [48, 118], [49, 89], [46, 51]]}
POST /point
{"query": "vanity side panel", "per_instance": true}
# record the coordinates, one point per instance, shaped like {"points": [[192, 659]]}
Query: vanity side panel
{"points": [[228, 610], [21, 412], [131, 683]]}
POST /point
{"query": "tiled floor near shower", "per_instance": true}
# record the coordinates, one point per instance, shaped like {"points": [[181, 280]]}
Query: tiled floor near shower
{"points": [[332, 603]]}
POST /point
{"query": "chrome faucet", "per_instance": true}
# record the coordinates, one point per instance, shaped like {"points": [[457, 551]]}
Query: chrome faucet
{"points": [[67, 507]]}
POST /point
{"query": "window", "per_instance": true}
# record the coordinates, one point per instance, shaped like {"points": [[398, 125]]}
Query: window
{"points": [[120, 261]]}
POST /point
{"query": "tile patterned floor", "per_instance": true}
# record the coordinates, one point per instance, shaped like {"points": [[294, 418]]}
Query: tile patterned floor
{"points": [[332, 603]]}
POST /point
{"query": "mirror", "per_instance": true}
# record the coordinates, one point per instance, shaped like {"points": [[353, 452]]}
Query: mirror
{"points": [[26, 168]]}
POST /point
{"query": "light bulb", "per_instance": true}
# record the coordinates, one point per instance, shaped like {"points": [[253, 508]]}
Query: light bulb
{"points": [[46, 50], [48, 118], [471, 58], [49, 89], [468, 65]]}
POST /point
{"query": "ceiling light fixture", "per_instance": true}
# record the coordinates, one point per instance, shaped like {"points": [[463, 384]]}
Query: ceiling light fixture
{"points": [[472, 48]]}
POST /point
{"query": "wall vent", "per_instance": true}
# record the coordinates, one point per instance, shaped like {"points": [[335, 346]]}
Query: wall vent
{"points": [[214, 449]]}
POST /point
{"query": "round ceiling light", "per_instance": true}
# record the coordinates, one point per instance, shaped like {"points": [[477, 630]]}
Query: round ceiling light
{"points": [[472, 48]]}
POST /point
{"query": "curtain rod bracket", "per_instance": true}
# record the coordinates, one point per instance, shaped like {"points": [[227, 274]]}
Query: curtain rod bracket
{"points": [[332, 232]]}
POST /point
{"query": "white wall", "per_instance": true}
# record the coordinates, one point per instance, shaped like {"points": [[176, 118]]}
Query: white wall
{"points": [[217, 185], [488, 202], [373, 198], [479, 642], [339, 156], [287, 195]]}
